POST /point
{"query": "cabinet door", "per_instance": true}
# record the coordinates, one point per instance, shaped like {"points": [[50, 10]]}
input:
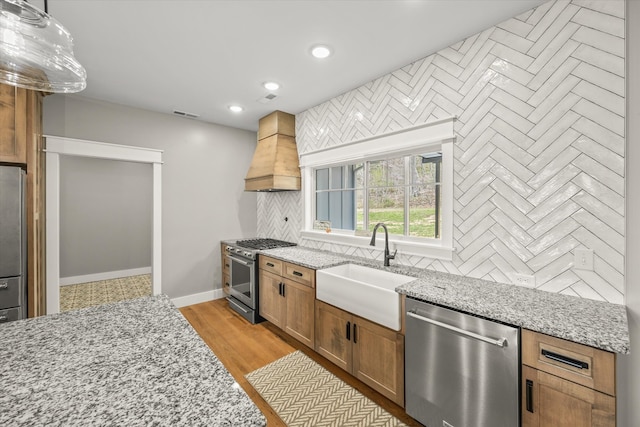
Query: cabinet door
{"points": [[272, 304], [299, 300], [378, 358], [333, 335], [548, 400], [13, 126]]}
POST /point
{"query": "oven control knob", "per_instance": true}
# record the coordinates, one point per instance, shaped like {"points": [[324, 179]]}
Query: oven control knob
{"points": [[248, 254]]}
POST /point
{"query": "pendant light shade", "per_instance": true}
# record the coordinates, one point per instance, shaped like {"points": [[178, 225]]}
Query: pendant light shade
{"points": [[36, 51]]}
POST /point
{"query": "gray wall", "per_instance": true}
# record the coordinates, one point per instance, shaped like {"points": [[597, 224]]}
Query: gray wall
{"points": [[629, 366], [203, 174], [105, 215]]}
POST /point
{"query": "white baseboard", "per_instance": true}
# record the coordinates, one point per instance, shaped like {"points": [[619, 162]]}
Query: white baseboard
{"points": [[197, 298], [107, 275]]}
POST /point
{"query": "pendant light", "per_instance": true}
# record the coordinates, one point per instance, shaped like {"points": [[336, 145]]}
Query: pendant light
{"points": [[36, 51]]}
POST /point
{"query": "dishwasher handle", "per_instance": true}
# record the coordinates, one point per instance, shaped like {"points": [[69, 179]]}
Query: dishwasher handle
{"points": [[500, 342]]}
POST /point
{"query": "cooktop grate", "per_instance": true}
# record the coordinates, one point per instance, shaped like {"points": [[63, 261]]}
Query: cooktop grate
{"points": [[263, 243]]}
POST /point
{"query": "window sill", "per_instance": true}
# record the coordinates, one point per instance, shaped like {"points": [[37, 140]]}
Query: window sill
{"points": [[404, 247]]}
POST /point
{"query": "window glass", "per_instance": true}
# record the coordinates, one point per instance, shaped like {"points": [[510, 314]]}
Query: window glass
{"points": [[402, 192], [385, 173], [422, 211], [387, 205], [322, 206], [336, 178], [322, 179]]}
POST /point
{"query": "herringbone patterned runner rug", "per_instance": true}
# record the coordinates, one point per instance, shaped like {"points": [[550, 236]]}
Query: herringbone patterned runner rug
{"points": [[303, 394]]}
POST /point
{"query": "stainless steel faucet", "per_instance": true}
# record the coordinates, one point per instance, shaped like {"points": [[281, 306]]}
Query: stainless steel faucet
{"points": [[387, 255]]}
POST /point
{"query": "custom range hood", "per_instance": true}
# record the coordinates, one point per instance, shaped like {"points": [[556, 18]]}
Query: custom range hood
{"points": [[275, 165]]}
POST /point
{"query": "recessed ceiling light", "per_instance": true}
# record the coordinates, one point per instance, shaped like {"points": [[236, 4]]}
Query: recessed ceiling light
{"points": [[321, 51], [236, 108], [271, 86]]}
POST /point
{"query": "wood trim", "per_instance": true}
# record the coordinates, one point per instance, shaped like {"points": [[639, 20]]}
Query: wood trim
{"points": [[36, 204]]}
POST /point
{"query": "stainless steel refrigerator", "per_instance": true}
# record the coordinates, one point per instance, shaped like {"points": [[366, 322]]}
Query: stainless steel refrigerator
{"points": [[13, 244]]}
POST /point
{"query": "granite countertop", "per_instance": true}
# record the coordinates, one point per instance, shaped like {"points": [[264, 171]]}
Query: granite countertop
{"points": [[598, 324], [133, 363]]}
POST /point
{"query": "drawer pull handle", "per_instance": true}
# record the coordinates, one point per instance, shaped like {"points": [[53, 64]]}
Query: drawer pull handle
{"points": [[297, 273], [348, 331], [530, 396], [566, 360], [355, 332], [270, 264], [4, 285]]}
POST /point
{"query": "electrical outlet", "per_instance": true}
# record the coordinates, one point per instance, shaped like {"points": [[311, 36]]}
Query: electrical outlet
{"points": [[583, 259], [524, 280]]}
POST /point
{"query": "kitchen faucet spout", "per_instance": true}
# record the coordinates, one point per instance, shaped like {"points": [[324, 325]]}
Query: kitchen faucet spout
{"points": [[387, 255]]}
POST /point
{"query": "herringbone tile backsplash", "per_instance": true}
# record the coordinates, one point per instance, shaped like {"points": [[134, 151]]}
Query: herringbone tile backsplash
{"points": [[539, 157]]}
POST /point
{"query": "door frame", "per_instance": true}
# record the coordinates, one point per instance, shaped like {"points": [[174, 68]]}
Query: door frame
{"points": [[57, 146]]}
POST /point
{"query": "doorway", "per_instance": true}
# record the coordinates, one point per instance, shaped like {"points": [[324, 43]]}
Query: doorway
{"points": [[58, 146]]}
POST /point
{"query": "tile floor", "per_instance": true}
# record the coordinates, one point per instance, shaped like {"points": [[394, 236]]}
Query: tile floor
{"points": [[73, 297]]}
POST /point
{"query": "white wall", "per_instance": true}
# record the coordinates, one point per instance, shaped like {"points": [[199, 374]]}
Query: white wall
{"points": [[539, 152], [203, 181], [629, 366]]}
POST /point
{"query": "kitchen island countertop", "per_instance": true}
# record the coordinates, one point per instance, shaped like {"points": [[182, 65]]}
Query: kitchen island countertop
{"points": [[598, 324], [133, 363]]}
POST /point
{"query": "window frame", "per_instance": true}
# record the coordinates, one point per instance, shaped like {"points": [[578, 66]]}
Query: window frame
{"points": [[433, 136]]}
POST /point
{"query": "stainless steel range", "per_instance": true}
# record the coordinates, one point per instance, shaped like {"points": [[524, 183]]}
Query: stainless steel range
{"points": [[243, 274]]}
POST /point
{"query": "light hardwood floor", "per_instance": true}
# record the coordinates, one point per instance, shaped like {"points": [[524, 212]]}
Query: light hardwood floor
{"points": [[243, 347]]}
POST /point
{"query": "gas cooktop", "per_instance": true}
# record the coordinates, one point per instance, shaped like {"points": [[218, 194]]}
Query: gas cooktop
{"points": [[263, 243]]}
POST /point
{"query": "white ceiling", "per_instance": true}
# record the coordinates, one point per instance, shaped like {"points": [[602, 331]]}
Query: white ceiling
{"points": [[200, 56]]}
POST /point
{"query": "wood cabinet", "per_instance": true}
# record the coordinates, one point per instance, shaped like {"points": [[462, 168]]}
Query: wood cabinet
{"points": [[287, 297], [21, 143], [13, 129], [225, 265], [566, 384], [370, 352]]}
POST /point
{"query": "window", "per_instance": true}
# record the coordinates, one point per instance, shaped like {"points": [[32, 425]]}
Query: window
{"points": [[403, 178], [403, 192]]}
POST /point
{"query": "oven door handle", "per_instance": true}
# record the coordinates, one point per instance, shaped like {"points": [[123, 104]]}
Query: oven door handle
{"points": [[241, 261]]}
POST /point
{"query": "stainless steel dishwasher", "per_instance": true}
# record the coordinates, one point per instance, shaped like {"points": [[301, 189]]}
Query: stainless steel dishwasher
{"points": [[460, 370]]}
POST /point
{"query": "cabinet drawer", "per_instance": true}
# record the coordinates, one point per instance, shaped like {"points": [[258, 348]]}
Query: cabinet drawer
{"points": [[300, 274], [271, 265], [575, 362], [10, 293], [10, 314]]}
